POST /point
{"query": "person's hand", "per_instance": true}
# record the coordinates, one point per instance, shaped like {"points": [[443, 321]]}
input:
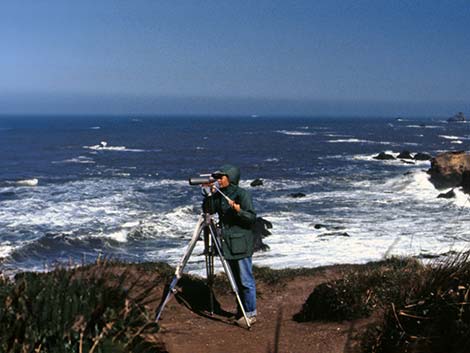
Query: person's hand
{"points": [[235, 206]]}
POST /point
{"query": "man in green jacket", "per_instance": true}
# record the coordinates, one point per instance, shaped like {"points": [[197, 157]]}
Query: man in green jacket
{"points": [[236, 218]]}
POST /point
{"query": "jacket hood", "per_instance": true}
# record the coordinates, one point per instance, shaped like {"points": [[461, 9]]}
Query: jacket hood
{"points": [[231, 171]]}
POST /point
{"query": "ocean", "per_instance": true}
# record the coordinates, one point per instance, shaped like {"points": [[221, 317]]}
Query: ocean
{"points": [[73, 189]]}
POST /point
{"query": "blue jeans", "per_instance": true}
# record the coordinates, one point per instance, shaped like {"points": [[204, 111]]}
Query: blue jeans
{"points": [[243, 275]]}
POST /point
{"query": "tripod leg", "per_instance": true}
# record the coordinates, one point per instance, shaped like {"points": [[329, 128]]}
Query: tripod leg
{"points": [[229, 274], [209, 253], [180, 267]]}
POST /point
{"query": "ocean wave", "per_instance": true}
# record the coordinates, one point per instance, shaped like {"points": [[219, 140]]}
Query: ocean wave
{"points": [[95, 127], [295, 133], [79, 160], [447, 137], [425, 126], [27, 182], [103, 146], [6, 249], [461, 199], [355, 140]]}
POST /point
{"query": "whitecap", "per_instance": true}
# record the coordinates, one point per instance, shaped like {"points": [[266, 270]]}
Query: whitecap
{"points": [[449, 137], [458, 142], [461, 199], [271, 160], [355, 140], [294, 133], [95, 127], [79, 159], [103, 147], [425, 126], [6, 249], [27, 182], [118, 235]]}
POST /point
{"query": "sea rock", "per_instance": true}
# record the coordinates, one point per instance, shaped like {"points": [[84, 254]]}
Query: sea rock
{"points": [[334, 234], [384, 156], [465, 183], [459, 117], [422, 157], [447, 170], [327, 227], [447, 195], [297, 195], [260, 231], [405, 155], [256, 182]]}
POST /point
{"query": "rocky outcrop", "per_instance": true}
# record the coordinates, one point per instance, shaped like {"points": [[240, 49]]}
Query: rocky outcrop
{"points": [[457, 118], [422, 157], [384, 156], [447, 195], [297, 195], [405, 155], [256, 182], [450, 169]]}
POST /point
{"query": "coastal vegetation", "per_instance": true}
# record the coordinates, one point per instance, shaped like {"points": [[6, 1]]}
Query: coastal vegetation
{"points": [[408, 306]]}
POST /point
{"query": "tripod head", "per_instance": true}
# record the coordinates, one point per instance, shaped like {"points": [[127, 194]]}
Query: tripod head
{"points": [[209, 187]]}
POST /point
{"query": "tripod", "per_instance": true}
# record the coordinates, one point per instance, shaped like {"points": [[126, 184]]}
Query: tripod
{"points": [[212, 247]]}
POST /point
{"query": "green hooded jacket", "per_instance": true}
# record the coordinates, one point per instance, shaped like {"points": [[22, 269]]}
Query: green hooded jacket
{"points": [[237, 234]]}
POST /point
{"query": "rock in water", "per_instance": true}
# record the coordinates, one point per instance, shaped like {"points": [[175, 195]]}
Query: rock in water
{"points": [[405, 155], [447, 195], [296, 195], [384, 156], [422, 157], [257, 182], [459, 117], [465, 184], [448, 168]]}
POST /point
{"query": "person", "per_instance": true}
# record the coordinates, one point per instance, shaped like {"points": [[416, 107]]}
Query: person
{"points": [[236, 218]]}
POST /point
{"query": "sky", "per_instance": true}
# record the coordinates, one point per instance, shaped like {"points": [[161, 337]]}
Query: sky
{"points": [[313, 57]]}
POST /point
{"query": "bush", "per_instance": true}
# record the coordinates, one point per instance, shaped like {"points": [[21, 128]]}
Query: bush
{"points": [[435, 316], [359, 292]]}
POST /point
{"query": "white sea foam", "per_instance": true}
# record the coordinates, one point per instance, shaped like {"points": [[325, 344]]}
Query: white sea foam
{"points": [[119, 235], [6, 249], [95, 127], [79, 159], [295, 133], [27, 182], [457, 142], [426, 126], [450, 137], [103, 146], [355, 140], [461, 199]]}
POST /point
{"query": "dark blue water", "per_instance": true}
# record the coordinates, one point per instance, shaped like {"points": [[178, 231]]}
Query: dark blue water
{"points": [[65, 195]]}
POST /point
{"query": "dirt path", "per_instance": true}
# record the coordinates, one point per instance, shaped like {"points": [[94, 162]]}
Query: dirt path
{"points": [[188, 331]]}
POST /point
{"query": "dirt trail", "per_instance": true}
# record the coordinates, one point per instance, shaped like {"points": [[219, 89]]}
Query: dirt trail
{"points": [[188, 331]]}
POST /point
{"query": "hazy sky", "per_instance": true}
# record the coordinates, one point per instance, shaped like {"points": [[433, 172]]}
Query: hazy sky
{"points": [[237, 57]]}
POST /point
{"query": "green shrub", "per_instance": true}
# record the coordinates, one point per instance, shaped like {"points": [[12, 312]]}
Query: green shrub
{"points": [[360, 291]]}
